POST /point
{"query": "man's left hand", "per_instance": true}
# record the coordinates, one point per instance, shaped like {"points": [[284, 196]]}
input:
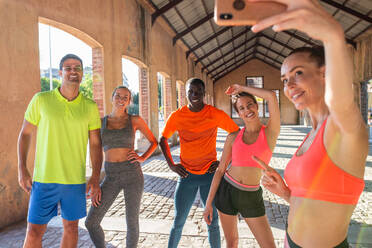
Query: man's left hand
{"points": [[94, 191], [213, 167]]}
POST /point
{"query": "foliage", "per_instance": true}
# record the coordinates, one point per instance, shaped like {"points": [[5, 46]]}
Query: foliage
{"points": [[45, 83], [160, 93], [133, 109], [86, 86]]}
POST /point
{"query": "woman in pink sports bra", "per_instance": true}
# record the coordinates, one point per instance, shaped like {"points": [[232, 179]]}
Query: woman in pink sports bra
{"points": [[237, 189], [324, 179]]}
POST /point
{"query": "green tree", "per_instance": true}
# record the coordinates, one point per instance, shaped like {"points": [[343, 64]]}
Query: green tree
{"points": [[134, 107], [86, 87], [160, 84], [44, 81]]}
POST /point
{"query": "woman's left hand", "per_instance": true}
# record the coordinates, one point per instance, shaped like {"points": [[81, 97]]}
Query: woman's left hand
{"points": [[208, 214], [233, 89], [134, 157], [304, 15]]}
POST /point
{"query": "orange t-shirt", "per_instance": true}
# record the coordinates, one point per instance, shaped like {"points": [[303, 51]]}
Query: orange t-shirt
{"points": [[198, 133]]}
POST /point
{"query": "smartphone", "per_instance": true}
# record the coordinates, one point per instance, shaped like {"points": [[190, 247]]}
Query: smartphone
{"points": [[241, 12]]}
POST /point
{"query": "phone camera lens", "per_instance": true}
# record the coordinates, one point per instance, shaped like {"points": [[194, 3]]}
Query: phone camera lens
{"points": [[239, 4], [226, 16]]}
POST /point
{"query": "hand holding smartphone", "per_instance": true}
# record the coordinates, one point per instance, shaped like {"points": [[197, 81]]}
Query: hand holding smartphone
{"points": [[242, 12]]}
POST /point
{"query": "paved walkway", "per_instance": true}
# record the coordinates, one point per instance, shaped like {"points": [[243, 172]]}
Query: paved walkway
{"points": [[157, 208]]}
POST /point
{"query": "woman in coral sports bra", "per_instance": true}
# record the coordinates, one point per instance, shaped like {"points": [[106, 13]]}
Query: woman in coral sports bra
{"points": [[237, 189], [324, 178]]}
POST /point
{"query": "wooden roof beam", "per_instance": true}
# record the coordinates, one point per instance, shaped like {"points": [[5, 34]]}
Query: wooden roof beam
{"points": [[192, 27], [207, 40], [222, 45]]}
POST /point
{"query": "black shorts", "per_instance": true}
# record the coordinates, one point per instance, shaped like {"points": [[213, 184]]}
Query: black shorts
{"points": [[231, 200], [292, 244]]}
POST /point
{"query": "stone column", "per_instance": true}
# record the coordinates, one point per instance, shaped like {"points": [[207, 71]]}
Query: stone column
{"points": [[153, 102]]}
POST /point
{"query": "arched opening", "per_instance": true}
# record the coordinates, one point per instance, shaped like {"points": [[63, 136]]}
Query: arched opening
{"points": [[130, 72], [135, 77], [54, 43], [58, 39]]}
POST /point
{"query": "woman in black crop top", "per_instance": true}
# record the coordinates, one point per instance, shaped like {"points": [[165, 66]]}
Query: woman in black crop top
{"points": [[333, 154], [122, 167]]}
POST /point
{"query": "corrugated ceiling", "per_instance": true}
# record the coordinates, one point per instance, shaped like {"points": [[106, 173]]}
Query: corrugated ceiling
{"points": [[221, 50]]}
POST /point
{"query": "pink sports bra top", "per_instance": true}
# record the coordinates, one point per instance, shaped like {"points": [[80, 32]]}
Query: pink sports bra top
{"points": [[242, 153], [313, 175]]}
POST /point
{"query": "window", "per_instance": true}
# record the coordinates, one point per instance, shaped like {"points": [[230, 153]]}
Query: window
{"points": [[234, 114], [263, 109]]}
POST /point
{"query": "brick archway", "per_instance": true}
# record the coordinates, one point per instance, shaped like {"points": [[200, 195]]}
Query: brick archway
{"points": [[97, 59]]}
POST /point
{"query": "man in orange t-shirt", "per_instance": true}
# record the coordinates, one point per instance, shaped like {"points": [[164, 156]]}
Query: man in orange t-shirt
{"points": [[197, 125]]}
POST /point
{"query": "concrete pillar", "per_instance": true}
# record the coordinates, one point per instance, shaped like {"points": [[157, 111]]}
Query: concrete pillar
{"points": [[153, 105], [20, 80]]}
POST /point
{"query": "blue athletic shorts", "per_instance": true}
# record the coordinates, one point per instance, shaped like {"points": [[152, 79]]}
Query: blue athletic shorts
{"points": [[44, 199]]}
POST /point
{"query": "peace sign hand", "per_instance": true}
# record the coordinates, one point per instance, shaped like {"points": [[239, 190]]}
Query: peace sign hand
{"points": [[272, 180]]}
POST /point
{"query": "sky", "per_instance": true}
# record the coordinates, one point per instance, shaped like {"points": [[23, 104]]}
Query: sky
{"points": [[63, 43]]}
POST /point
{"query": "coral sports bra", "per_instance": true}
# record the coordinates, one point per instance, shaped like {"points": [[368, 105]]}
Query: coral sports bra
{"points": [[242, 153], [313, 175]]}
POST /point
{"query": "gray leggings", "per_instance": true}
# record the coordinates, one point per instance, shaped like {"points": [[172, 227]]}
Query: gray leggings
{"points": [[119, 175]]}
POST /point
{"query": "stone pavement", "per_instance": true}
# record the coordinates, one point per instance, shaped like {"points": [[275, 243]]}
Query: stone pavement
{"points": [[156, 213]]}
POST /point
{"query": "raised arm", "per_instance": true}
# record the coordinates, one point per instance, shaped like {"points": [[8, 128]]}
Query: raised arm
{"points": [[339, 93], [24, 140], [308, 16], [224, 162]]}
